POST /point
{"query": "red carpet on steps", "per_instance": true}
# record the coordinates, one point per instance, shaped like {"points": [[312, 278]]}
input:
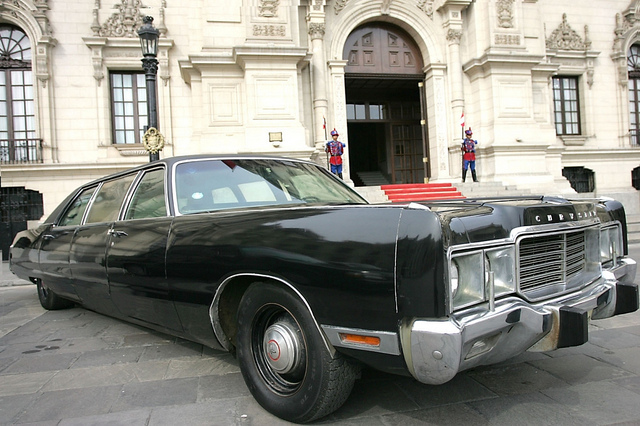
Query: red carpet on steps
{"points": [[421, 192]]}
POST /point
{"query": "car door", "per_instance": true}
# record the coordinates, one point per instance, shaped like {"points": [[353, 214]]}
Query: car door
{"points": [[87, 254], [136, 255], [56, 242]]}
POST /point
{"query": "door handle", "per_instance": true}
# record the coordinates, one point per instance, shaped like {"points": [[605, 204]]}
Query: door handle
{"points": [[117, 234]]}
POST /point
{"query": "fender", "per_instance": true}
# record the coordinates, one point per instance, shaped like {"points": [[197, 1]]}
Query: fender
{"points": [[214, 309]]}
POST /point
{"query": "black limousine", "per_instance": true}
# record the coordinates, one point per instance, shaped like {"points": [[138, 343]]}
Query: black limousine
{"points": [[280, 263]]}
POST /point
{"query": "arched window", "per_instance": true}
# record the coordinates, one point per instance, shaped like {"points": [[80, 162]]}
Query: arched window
{"points": [[633, 69], [17, 107]]}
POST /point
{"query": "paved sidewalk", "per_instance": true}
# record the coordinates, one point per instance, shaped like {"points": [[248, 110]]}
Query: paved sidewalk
{"points": [[7, 279]]}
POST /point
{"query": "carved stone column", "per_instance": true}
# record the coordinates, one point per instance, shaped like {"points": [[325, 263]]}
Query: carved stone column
{"points": [[452, 21], [455, 66], [319, 76], [340, 111]]}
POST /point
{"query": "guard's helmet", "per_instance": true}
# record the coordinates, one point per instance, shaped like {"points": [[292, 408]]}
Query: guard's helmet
{"points": [[334, 132], [468, 132]]}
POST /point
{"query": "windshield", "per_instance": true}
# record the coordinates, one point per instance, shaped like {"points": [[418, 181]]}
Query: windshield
{"points": [[209, 185]]}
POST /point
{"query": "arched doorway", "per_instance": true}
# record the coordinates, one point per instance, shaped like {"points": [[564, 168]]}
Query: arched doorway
{"points": [[383, 71]]}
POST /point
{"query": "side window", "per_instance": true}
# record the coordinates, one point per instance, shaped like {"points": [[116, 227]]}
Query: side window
{"points": [[73, 216], [108, 200], [148, 199]]}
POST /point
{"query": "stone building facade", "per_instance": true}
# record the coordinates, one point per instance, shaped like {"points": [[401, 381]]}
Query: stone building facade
{"points": [[550, 88]]}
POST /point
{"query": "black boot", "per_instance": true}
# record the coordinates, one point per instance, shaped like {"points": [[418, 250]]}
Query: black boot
{"points": [[340, 175], [464, 174], [473, 173]]}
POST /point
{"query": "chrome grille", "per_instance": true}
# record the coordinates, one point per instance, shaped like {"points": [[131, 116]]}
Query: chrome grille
{"points": [[550, 259]]}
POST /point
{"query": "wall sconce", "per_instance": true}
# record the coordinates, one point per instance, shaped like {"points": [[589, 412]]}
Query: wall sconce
{"points": [[275, 138]]}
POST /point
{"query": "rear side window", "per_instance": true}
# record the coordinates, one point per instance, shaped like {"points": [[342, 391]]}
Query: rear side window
{"points": [[148, 199], [108, 200], [73, 216]]}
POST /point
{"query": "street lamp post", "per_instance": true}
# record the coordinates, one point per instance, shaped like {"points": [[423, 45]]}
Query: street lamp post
{"points": [[149, 43]]}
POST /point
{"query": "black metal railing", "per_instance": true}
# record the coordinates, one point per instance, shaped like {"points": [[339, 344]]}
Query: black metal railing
{"points": [[16, 151]]}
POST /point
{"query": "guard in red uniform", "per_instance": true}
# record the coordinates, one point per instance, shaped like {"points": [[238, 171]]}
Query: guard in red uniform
{"points": [[469, 155], [335, 148]]}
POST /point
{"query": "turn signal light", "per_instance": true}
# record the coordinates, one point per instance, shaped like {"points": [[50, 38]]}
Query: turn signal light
{"points": [[360, 340]]}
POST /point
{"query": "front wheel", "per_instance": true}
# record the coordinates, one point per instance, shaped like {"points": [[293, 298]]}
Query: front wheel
{"points": [[49, 300], [284, 360]]}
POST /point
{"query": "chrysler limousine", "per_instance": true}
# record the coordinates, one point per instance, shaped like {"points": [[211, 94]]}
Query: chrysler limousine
{"points": [[280, 263]]}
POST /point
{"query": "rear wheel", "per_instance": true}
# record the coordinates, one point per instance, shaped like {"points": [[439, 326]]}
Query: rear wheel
{"points": [[284, 360], [49, 300]]}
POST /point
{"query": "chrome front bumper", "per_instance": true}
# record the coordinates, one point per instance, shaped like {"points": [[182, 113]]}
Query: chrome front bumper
{"points": [[436, 350]]}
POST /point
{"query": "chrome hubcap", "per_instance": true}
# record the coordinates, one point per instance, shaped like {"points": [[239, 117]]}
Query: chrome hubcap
{"points": [[281, 347]]}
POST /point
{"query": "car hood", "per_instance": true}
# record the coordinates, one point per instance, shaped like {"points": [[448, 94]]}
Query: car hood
{"points": [[472, 221]]}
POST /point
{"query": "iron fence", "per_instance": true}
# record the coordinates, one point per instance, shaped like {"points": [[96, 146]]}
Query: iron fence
{"points": [[15, 151]]}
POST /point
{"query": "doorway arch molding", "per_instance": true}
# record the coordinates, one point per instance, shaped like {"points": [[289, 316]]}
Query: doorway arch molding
{"points": [[428, 36], [423, 31]]}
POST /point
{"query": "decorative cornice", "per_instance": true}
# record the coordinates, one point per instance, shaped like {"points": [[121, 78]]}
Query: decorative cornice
{"points": [[565, 38], [33, 15], [15, 7], [627, 26]]}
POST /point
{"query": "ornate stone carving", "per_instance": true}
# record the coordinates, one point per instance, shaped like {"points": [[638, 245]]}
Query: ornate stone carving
{"points": [[627, 26], [318, 4], [384, 9], [268, 8], [454, 35], [565, 38], [269, 30], [125, 22], [507, 39], [505, 13], [316, 30], [339, 5], [426, 6]]}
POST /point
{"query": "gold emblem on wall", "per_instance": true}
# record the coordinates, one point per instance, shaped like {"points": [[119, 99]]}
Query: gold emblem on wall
{"points": [[153, 141]]}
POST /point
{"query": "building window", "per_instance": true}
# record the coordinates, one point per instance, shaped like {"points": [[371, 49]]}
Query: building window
{"points": [[17, 106], [128, 106], [635, 178], [566, 105], [580, 178]]}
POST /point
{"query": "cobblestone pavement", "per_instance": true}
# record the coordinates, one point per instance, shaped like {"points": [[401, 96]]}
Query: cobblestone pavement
{"points": [[76, 367]]}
